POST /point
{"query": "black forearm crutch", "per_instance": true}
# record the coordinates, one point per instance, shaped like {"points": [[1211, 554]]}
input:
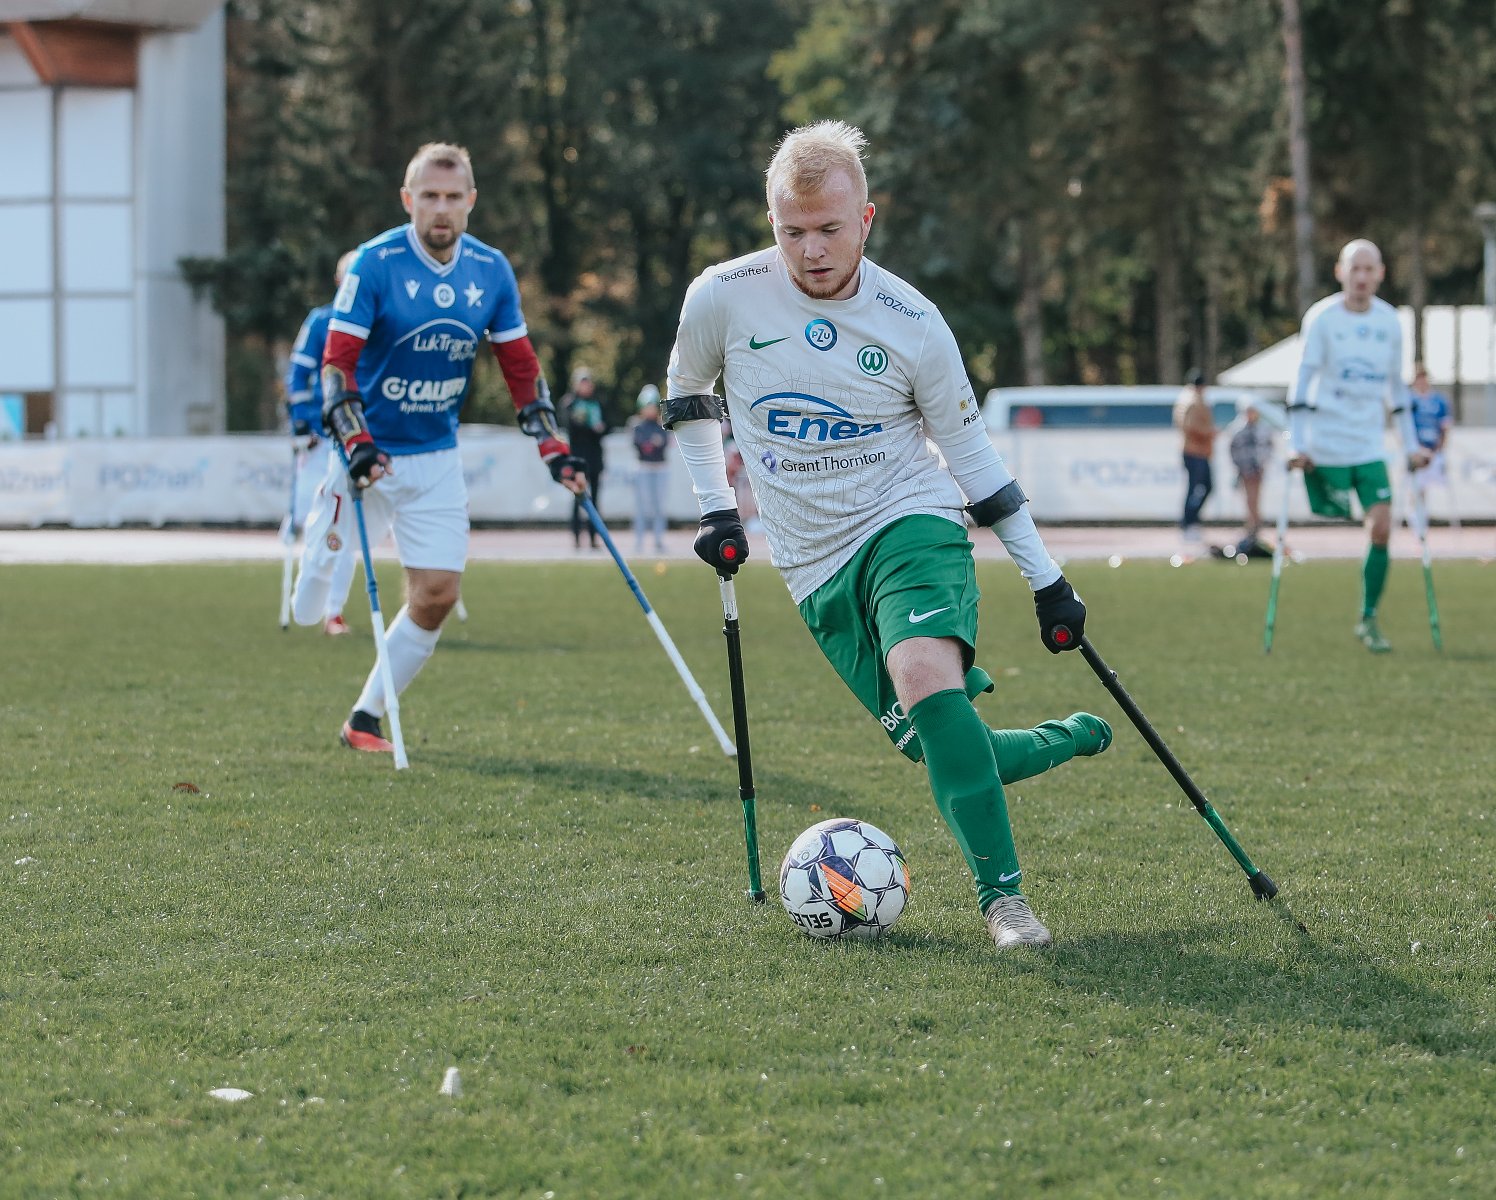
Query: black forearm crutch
{"points": [[740, 733], [1262, 886]]}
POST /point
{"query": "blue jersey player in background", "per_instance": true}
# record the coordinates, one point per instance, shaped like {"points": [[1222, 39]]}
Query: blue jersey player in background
{"points": [[1432, 419], [304, 410], [407, 322]]}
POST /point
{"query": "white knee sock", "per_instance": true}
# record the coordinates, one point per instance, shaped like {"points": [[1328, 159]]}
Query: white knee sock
{"points": [[409, 646], [309, 597], [339, 586]]}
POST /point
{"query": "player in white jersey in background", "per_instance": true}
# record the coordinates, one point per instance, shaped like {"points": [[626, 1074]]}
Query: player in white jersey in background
{"points": [[836, 372], [304, 408], [1350, 373]]}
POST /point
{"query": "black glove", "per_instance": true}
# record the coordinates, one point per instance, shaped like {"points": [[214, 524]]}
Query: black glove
{"points": [[363, 456], [1062, 617], [304, 435], [721, 542], [565, 467]]}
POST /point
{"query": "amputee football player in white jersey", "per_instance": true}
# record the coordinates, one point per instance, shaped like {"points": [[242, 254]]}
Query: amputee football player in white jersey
{"points": [[838, 375], [1349, 375]]}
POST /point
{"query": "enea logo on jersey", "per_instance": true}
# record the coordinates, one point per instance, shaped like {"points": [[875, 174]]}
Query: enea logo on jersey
{"points": [[1361, 370], [804, 418]]}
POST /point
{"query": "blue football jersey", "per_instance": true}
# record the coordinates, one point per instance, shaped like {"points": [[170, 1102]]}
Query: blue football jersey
{"points": [[422, 321], [304, 374], [1429, 416]]}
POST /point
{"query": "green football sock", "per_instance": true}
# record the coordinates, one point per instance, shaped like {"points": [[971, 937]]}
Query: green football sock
{"points": [[1373, 579], [1024, 753], [963, 776]]}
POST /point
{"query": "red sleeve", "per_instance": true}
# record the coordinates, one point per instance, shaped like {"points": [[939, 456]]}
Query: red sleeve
{"points": [[342, 351], [520, 366]]}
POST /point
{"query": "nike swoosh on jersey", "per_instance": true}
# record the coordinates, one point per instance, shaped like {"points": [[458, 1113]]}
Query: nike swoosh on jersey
{"points": [[1009, 878], [755, 344], [915, 618]]}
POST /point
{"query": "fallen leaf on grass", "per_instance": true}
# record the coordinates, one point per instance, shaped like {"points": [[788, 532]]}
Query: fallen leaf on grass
{"points": [[186, 787]]}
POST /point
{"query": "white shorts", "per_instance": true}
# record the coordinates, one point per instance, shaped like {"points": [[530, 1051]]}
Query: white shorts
{"points": [[311, 469], [1432, 475], [424, 503]]}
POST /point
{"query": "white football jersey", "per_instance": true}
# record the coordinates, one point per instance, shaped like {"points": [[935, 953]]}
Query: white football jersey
{"points": [[1356, 362], [831, 403]]}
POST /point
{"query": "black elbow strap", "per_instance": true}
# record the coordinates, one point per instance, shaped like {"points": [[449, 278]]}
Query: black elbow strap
{"points": [[691, 408], [1001, 504]]}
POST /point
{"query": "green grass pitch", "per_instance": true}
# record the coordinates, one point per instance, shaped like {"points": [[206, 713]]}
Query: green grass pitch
{"points": [[551, 900]]}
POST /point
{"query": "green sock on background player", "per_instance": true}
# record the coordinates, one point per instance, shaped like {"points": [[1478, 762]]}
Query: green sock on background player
{"points": [[964, 779], [1024, 753], [1373, 579]]}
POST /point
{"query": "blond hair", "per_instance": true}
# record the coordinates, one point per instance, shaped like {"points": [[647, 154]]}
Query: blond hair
{"points": [[809, 155], [440, 154]]}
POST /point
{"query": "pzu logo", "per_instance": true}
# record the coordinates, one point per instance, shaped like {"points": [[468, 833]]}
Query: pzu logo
{"points": [[821, 334]]}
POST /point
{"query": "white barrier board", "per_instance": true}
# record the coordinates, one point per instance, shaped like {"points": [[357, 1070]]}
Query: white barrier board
{"points": [[1069, 475]]}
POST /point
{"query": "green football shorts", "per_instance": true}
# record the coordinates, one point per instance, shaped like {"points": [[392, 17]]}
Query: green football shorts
{"points": [[913, 578], [1330, 488]]}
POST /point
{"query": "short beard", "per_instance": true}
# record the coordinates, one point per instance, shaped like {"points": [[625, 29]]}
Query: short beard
{"points": [[827, 291], [430, 244]]}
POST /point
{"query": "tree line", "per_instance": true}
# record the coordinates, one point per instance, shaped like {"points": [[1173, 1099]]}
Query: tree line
{"points": [[1093, 191]]}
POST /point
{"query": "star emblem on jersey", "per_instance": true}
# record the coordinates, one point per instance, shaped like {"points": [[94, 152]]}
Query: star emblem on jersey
{"points": [[873, 360], [411, 288], [444, 296], [755, 344], [821, 334], [473, 293]]}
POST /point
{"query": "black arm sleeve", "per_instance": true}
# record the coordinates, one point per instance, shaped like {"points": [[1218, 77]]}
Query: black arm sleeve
{"points": [[1004, 502], [691, 408]]}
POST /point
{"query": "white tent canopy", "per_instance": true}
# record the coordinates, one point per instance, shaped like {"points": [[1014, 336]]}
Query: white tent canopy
{"points": [[1458, 349]]}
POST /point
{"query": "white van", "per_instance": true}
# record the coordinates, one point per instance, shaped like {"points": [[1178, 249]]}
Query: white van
{"points": [[1104, 407]]}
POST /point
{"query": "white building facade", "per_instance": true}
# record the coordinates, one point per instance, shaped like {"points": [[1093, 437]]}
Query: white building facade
{"points": [[112, 132]]}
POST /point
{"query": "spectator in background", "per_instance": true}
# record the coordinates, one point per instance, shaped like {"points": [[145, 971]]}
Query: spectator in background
{"points": [[1251, 450], [586, 426], [651, 473], [1193, 419]]}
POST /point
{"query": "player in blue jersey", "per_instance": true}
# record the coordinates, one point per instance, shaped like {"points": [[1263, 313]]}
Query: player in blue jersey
{"points": [[304, 408], [1431, 421], [407, 322]]}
